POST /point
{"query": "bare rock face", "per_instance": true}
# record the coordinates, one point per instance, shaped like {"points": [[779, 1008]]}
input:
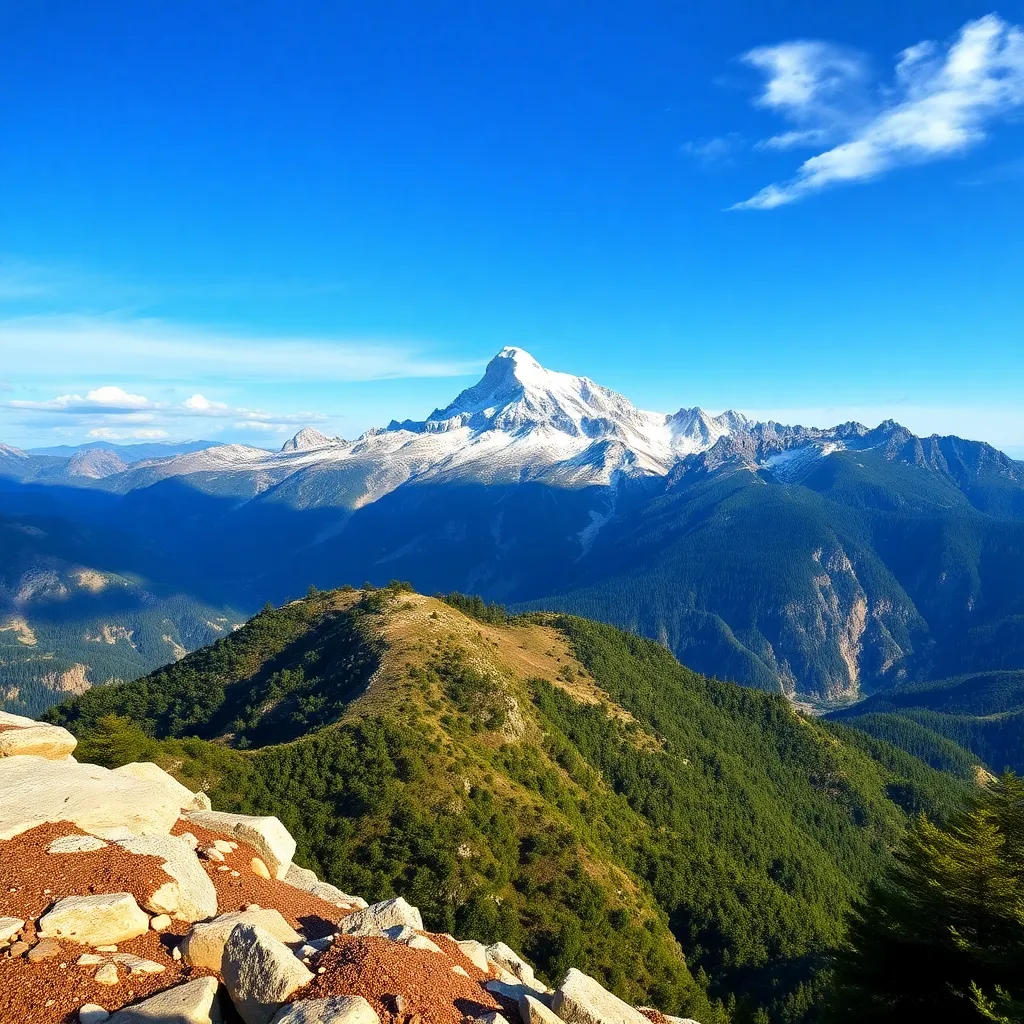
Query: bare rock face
{"points": [[581, 1000], [101, 920], [35, 790], [188, 895], [260, 973], [204, 944], [149, 772], [192, 1003], [376, 919], [20, 735], [335, 1010], [271, 839]]}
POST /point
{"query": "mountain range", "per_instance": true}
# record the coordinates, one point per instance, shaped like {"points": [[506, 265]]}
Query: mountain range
{"points": [[825, 563]]}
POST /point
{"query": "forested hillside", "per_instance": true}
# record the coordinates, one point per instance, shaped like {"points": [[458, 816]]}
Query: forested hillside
{"points": [[545, 780], [948, 721]]}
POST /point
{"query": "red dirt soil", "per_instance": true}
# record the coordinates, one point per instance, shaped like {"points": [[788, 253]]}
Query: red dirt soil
{"points": [[379, 970]]}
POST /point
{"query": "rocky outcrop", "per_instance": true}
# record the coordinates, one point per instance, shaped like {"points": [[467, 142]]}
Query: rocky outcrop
{"points": [[20, 736], [35, 790], [334, 1010], [266, 833], [581, 1000], [375, 920], [149, 772], [189, 895], [307, 954]]}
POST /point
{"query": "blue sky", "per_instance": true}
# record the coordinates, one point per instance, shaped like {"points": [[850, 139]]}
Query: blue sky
{"points": [[226, 220]]}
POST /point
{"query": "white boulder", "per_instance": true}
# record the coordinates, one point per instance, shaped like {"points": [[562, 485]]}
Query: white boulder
{"points": [[195, 1002], [104, 919], [581, 1000], [204, 944], [334, 1010], [36, 790], [533, 1011], [189, 895], [9, 927], [273, 842], [505, 957], [149, 772], [260, 973], [376, 919], [20, 736], [475, 952], [75, 844]]}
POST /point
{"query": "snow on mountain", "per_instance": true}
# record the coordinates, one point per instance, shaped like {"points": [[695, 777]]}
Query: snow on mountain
{"points": [[520, 422], [308, 438]]}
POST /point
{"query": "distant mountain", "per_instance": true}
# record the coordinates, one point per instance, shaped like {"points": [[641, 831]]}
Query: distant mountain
{"points": [[127, 452], [547, 781], [829, 563], [71, 617]]}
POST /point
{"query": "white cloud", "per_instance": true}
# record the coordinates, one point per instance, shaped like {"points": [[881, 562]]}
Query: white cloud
{"points": [[200, 404], [114, 346], [111, 407], [713, 151], [940, 104]]}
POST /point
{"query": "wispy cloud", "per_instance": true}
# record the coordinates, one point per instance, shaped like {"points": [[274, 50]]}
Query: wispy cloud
{"points": [[941, 102], [111, 412], [718, 150], [113, 346]]}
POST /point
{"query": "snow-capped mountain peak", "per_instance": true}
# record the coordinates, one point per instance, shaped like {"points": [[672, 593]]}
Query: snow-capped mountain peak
{"points": [[308, 438]]}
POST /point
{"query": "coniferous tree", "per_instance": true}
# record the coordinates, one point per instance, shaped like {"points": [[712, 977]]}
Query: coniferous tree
{"points": [[942, 936]]}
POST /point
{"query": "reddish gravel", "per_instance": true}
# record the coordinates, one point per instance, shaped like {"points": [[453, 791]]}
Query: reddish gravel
{"points": [[53, 990], [379, 969], [308, 914], [7, 728]]}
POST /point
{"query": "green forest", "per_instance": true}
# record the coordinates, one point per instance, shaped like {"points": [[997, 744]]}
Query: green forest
{"points": [[693, 844]]}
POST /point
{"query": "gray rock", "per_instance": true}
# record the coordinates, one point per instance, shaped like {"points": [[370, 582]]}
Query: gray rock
{"points": [[581, 1000], [189, 895], [35, 790], [260, 973], [195, 1002], [380, 916], [533, 1011], [306, 880], [504, 956], [92, 1014], [335, 1010], [204, 944], [76, 844], [98, 920], [515, 990], [273, 842], [493, 1017]]}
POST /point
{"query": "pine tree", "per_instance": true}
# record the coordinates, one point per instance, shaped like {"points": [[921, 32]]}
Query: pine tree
{"points": [[942, 936]]}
